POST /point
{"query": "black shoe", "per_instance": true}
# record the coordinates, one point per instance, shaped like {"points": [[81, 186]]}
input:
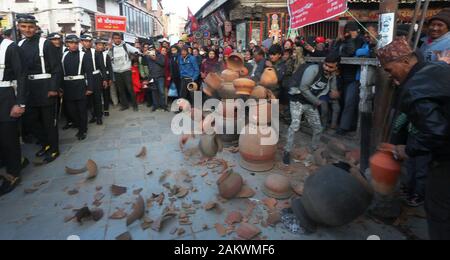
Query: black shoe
{"points": [[93, 120], [67, 126], [99, 121], [287, 158], [25, 162], [43, 151], [51, 157], [341, 132], [9, 185], [135, 109], [154, 109], [149, 105], [166, 109], [82, 136], [124, 108], [106, 113]]}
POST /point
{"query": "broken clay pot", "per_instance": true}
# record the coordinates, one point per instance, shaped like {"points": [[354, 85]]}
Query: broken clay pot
{"points": [[230, 183], [248, 231], [138, 211], [235, 62], [277, 186], [92, 169], [210, 145]]}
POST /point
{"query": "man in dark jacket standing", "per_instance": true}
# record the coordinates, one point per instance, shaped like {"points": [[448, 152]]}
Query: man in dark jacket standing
{"points": [[12, 107], [425, 96], [109, 73], [43, 68], [156, 65]]}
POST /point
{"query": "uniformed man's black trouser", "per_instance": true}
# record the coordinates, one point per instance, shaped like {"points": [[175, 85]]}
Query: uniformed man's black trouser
{"points": [[45, 125], [95, 100], [10, 153], [79, 113], [125, 88], [437, 201], [106, 98]]}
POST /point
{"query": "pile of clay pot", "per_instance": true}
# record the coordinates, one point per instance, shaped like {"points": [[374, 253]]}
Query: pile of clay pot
{"points": [[235, 83]]}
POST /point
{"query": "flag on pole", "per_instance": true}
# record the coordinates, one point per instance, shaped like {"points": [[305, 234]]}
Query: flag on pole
{"points": [[194, 22]]}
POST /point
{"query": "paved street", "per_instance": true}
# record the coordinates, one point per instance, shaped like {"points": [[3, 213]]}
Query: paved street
{"points": [[41, 215]]}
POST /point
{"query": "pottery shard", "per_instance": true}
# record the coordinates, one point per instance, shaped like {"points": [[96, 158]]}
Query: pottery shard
{"points": [[137, 191], [270, 202], [221, 230], [210, 205], [353, 156], [273, 218], [181, 231], [143, 153], [73, 171], [233, 217], [301, 154], [92, 169], [124, 237], [320, 157], [138, 211], [337, 147], [118, 190], [182, 192], [246, 192], [298, 187], [119, 214], [73, 191], [157, 224], [146, 223], [86, 213], [248, 231]]}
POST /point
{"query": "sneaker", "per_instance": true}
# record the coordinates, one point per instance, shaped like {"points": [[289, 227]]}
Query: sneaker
{"points": [[415, 201], [51, 157], [82, 136], [43, 151], [9, 185], [287, 158]]}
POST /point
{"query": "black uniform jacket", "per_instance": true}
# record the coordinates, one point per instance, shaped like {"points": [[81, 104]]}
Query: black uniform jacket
{"points": [[76, 89]]}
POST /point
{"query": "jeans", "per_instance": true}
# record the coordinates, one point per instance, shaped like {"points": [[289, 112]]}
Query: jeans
{"points": [[159, 94], [417, 168], [349, 117], [124, 87]]}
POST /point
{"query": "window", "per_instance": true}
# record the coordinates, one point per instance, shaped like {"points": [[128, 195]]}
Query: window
{"points": [[101, 6]]}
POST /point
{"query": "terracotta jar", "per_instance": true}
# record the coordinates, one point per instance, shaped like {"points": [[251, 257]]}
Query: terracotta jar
{"points": [[244, 86], [214, 81], [231, 128], [385, 170], [193, 86], [243, 72], [269, 78], [229, 75], [331, 197], [227, 91], [235, 62], [255, 155], [210, 145], [277, 186], [229, 183]]}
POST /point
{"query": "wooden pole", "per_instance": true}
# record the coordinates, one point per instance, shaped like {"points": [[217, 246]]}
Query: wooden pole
{"points": [[414, 21]]}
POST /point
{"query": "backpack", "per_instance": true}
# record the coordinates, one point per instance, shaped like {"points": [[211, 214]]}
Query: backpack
{"points": [[296, 78]]}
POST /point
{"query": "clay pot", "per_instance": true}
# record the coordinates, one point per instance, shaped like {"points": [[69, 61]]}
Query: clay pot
{"points": [[208, 91], [214, 81], [260, 113], [235, 62], [192, 87], [227, 91], [385, 170], [244, 86], [259, 92], [331, 197], [277, 186], [256, 156], [243, 72], [269, 78], [229, 183], [230, 127], [229, 75], [210, 145]]}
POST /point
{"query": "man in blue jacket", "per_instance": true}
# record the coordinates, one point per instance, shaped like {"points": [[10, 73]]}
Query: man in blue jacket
{"points": [[189, 72]]}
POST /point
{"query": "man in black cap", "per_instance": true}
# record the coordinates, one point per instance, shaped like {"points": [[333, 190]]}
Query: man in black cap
{"points": [[95, 66], [12, 107], [76, 71], [100, 47], [43, 68]]}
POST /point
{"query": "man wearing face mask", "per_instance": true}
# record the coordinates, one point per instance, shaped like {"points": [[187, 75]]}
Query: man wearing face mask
{"points": [[308, 84]]}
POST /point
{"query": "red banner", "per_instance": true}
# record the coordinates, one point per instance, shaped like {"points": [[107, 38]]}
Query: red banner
{"points": [[108, 23], [306, 12]]}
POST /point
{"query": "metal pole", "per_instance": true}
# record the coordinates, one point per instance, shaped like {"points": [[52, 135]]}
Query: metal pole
{"points": [[414, 21], [422, 20]]}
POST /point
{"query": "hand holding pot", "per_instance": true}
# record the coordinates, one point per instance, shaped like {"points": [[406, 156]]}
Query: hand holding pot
{"points": [[400, 153]]}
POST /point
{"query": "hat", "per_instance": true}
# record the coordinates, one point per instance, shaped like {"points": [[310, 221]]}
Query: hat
{"points": [[397, 49], [72, 38], [26, 18], [163, 40], [443, 15], [320, 39], [227, 52], [101, 40], [351, 27], [54, 36], [86, 37]]}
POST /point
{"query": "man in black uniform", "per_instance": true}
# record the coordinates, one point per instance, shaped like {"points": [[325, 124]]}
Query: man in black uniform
{"points": [[12, 107], [76, 93], [95, 66], [109, 73], [43, 69]]}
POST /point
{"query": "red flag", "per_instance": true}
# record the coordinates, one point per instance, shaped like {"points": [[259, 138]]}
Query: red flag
{"points": [[194, 22]]}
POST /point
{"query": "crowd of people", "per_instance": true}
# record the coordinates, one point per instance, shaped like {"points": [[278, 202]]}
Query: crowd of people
{"points": [[82, 77]]}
